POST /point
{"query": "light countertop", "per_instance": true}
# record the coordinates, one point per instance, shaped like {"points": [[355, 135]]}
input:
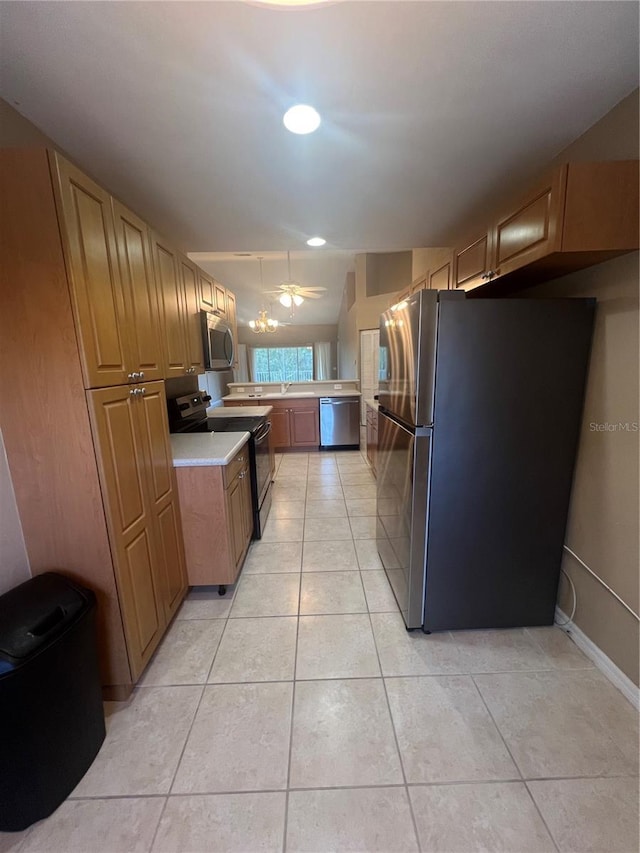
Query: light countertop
{"points": [[372, 403], [239, 411], [206, 448], [292, 395]]}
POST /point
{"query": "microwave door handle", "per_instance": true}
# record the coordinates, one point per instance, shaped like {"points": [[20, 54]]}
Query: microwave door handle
{"points": [[228, 337]]}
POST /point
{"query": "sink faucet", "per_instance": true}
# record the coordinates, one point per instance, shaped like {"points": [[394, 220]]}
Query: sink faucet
{"points": [[284, 387]]}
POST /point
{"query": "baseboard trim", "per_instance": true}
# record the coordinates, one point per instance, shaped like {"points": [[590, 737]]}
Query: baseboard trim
{"points": [[604, 663]]}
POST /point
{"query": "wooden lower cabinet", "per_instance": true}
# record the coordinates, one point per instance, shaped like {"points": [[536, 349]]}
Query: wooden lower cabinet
{"points": [[217, 519], [280, 428], [372, 436], [136, 479], [295, 422], [304, 425]]}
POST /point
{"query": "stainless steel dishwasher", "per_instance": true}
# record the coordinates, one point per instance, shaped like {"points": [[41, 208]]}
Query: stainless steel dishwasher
{"points": [[340, 422]]}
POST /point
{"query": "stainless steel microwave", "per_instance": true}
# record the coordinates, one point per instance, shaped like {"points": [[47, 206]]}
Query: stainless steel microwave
{"points": [[217, 342]]}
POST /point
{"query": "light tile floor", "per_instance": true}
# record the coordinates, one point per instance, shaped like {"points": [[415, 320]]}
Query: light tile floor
{"points": [[297, 714]]}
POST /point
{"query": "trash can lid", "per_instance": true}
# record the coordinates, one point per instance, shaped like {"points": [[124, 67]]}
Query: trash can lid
{"points": [[37, 611]]}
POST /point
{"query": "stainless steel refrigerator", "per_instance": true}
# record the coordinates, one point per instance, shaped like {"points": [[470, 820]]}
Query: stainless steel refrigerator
{"points": [[480, 410]]}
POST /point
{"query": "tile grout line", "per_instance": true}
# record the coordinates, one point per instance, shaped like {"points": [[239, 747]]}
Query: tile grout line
{"points": [[542, 818], [184, 746], [437, 784], [293, 705], [395, 734], [517, 766]]}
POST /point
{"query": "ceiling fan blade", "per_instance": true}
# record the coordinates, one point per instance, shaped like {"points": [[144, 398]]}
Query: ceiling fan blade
{"points": [[302, 289], [311, 295]]}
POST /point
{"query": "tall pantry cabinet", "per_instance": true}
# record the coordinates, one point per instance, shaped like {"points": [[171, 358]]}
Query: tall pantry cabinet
{"points": [[83, 407]]}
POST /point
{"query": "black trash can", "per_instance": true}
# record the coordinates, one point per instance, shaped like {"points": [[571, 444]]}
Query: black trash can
{"points": [[51, 715]]}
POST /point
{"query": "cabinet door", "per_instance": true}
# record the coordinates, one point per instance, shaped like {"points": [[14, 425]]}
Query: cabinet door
{"points": [[205, 285], [220, 299], [170, 298], [233, 322], [280, 429], [440, 279], [86, 224], [140, 296], [235, 508], [193, 332], [305, 427], [473, 262], [163, 496], [119, 444], [534, 229]]}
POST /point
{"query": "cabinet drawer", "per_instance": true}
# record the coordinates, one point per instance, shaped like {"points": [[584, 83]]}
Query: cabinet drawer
{"points": [[233, 468]]}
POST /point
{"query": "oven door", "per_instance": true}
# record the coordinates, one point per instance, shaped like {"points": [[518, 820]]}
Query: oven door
{"points": [[263, 462]]}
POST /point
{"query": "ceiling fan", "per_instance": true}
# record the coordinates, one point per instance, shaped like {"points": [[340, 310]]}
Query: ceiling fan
{"points": [[292, 294]]}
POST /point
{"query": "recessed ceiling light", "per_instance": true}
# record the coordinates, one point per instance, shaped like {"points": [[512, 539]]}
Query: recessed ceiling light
{"points": [[301, 119]]}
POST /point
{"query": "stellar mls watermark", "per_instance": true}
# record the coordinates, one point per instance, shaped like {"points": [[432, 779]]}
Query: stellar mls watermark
{"points": [[619, 426]]}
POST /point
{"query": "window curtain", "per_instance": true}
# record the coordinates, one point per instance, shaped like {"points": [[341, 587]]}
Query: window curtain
{"points": [[251, 364], [322, 357], [241, 372]]}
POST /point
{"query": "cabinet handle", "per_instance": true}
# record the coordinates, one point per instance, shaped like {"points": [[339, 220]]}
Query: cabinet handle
{"points": [[241, 475], [141, 374], [133, 392], [142, 390], [133, 377]]}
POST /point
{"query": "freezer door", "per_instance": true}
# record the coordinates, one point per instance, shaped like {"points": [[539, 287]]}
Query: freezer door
{"points": [[402, 502], [509, 390], [407, 358]]}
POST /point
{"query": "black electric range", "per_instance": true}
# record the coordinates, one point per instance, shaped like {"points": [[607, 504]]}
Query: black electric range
{"points": [[188, 413]]}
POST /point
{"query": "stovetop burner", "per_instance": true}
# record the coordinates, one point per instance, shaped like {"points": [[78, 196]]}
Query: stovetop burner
{"points": [[189, 414]]}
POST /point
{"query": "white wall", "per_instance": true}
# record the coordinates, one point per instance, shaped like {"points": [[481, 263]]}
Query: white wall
{"points": [[14, 563]]}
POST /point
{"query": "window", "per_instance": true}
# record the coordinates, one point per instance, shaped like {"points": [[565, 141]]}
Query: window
{"points": [[282, 364]]}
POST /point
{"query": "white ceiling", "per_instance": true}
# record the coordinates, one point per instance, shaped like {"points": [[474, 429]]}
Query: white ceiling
{"points": [[315, 268], [427, 108]]}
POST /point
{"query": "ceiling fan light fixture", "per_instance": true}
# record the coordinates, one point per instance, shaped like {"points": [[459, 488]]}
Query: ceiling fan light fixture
{"points": [[297, 299], [316, 241], [301, 119], [285, 300]]}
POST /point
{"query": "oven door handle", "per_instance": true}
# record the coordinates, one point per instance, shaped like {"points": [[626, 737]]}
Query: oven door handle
{"points": [[260, 436]]}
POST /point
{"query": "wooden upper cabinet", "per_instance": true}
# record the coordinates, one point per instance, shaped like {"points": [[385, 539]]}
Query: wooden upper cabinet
{"points": [[86, 224], [191, 302], [170, 298], [580, 215], [122, 461], [140, 296], [533, 229], [601, 209], [473, 262], [441, 278], [205, 285], [219, 299]]}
